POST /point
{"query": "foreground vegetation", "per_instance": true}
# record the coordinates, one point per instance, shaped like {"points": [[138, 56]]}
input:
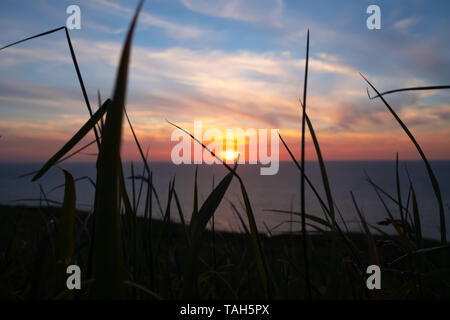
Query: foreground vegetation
{"points": [[226, 268], [124, 255]]}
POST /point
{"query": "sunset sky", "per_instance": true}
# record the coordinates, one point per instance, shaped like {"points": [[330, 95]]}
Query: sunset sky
{"points": [[230, 64]]}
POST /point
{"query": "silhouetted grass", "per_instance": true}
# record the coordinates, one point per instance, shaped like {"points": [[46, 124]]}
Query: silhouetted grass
{"points": [[124, 255]]}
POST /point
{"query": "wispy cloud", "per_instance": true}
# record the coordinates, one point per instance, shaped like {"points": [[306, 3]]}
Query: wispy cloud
{"points": [[257, 89], [405, 24], [212, 82], [173, 29], [268, 12], [102, 28]]}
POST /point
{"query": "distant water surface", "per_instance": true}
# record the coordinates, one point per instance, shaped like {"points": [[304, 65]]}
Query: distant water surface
{"points": [[281, 191]]}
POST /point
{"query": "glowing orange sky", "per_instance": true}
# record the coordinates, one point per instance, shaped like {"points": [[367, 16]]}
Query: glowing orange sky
{"points": [[334, 147], [231, 69]]}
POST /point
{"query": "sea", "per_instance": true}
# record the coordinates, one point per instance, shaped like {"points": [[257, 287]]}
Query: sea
{"points": [[266, 193]]}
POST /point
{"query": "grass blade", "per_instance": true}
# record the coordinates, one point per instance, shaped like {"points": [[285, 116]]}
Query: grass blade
{"points": [[407, 89], [144, 158], [323, 170], [399, 193], [32, 37], [108, 248], [75, 63], [74, 140], [417, 223], [197, 228], [374, 256], [195, 209], [209, 206], [302, 178], [256, 243], [181, 215], [319, 198], [307, 216], [80, 80], [65, 244], [431, 175]]}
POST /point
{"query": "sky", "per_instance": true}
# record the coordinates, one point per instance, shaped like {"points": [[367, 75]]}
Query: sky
{"points": [[229, 64]]}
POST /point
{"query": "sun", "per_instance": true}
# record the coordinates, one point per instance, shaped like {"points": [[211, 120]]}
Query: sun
{"points": [[230, 155]]}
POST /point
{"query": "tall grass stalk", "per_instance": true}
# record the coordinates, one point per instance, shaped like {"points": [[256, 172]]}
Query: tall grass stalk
{"points": [[302, 177], [108, 253]]}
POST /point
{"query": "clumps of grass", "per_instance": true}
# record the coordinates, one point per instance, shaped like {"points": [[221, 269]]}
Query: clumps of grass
{"points": [[124, 255]]}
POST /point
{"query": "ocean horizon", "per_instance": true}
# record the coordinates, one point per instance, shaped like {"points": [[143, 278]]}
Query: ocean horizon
{"points": [[277, 192]]}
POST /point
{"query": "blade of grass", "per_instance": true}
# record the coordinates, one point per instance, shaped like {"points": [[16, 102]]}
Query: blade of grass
{"points": [[166, 221], [209, 206], [102, 124], [144, 158], [80, 80], [75, 180], [421, 252], [323, 170], [390, 197], [238, 215], [141, 188], [374, 256], [256, 243], [399, 193], [314, 190], [74, 140], [59, 161], [65, 244], [403, 240], [195, 209], [302, 178], [307, 216], [148, 213], [417, 223], [32, 37], [133, 187], [66, 227], [181, 215], [75, 63], [431, 175], [198, 226], [108, 249], [407, 89]]}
